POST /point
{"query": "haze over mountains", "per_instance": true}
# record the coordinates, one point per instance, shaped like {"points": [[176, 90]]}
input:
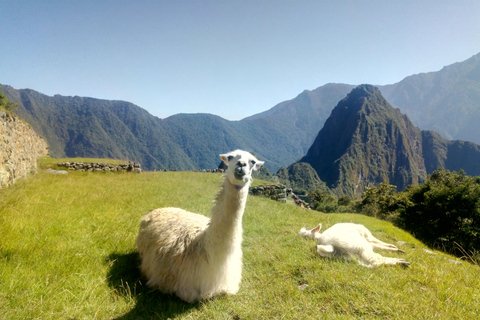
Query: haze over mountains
{"points": [[447, 101]]}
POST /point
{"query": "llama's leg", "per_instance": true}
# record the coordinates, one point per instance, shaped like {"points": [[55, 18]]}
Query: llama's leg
{"points": [[369, 258], [330, 251], [385, 246], [377, 244], [325, 250]]}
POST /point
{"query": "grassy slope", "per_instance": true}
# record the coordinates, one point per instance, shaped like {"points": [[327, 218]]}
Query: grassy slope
{"points": [[67, 252]]}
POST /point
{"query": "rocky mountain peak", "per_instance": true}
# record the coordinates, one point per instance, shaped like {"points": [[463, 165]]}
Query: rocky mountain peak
{"points": [[366, 141]]}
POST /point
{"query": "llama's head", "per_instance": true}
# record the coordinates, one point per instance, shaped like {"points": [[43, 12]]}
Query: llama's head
{"points": [[310, 234], [241, 165]]}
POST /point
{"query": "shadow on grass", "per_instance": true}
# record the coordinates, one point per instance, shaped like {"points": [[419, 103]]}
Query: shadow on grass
{"points": [[125, 279]]}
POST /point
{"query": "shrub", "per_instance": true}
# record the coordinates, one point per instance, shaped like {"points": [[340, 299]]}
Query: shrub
{"points": [[382, 201], [322, 200], [344, 201], [444, 212]]}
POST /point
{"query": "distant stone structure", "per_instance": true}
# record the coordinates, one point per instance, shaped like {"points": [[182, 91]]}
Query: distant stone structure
{"points": [[20, 147], [274, 192], [102, 167]]}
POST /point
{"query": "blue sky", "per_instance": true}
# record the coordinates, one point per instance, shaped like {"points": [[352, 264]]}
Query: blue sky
{"points": [[229, 58]]}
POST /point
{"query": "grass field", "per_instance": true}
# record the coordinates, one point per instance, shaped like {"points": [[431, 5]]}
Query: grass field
{"points": [[67, 251]]}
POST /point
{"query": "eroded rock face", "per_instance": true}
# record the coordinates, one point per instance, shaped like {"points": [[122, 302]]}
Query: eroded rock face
{"points": [[20, 147]]}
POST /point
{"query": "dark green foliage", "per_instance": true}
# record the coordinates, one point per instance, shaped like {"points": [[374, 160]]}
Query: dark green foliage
{"points": [[445, 211], [6, 105], [344, 201], [324, 201], [382, 201]]}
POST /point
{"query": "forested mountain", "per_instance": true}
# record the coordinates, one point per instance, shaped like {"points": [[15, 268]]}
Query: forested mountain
{"points": [[447, 101], [366, 141], [87, 127], [301, 177]]}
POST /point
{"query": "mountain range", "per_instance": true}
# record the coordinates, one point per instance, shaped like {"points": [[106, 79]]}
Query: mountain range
{"points": [[447, 101], [366, 141], [88, 127]]}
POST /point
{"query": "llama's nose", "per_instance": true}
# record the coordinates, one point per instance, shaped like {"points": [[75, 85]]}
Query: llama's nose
{"points": [[239, 172]]}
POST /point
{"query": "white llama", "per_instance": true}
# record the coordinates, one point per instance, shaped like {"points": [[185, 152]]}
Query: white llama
{"points": [[345, 239], [191, 255]]}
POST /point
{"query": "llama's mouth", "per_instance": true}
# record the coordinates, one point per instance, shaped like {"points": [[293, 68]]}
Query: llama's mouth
{"points": [[239, 175]]}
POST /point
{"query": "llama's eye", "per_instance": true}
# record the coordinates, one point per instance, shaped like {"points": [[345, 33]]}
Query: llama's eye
{"points": [[253, 162], [230, 158]]}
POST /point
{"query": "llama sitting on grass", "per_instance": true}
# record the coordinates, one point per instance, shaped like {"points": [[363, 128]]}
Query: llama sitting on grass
{"points": [[191, 255], [346, 239]]}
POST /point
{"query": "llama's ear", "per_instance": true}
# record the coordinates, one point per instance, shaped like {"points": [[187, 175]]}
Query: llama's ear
{"points": [[317, 228], [225, 157], [258, 164]]}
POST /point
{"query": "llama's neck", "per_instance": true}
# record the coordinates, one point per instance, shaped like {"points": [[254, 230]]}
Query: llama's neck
{"points": [[225, 228]]}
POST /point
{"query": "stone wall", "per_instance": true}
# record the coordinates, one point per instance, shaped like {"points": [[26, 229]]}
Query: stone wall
{"points": [[101, 166], [275, 192], [20, 147]]}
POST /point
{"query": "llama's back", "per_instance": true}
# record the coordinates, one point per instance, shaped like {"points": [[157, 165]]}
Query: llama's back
{"points": [[169, 243]]}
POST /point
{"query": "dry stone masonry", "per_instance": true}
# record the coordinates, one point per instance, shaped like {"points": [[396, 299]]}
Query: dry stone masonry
{"points": [[20, 147], [101, 166], [275, 192]]}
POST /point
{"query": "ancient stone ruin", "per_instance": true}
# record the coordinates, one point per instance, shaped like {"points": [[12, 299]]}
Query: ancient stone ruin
{"points": [[275, 192], [20, 147], [102, 167]]}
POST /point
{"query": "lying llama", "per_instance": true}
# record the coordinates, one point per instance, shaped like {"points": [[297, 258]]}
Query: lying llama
{"points": [[191, 255], [346, 239]]}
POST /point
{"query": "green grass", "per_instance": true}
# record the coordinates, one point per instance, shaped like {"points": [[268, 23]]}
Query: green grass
{"points": [[67, 251]]}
